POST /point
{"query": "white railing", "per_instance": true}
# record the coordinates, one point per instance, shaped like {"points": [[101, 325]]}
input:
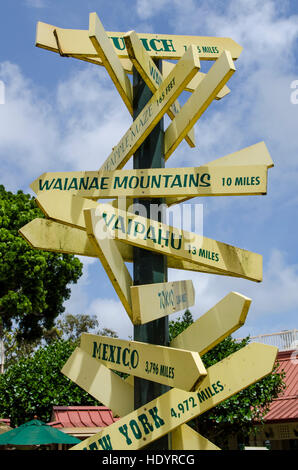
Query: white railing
{"points": [[283, 340]]}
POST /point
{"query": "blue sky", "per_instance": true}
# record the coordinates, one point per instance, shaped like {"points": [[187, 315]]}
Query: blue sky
{"points": [[62, 114]]}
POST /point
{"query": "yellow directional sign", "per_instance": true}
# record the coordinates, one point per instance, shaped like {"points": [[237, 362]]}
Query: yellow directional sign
{"points": [[171, 183], [151, 74], [256, 154], [211, 328], [100, 382], [180, 244], [76, 43], [152, 301], [205, 93], [176, 407], [154, 110], [48, 235], [149, 361], [186, 438], [192, 85], [110, 60], [113, 263]]}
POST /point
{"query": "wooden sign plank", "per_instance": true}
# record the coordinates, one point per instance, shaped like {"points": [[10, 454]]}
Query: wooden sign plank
{"points": [[76, 43], [194, 82], [48, 235], [90, 375], [208, 88], [148, 361], [211, 328], [152, 301], [171, 183], [154, 110], [176, 407], [186, 438], [256, 154], [167, 240], [151, 74], [113, 263], [110, 60]]}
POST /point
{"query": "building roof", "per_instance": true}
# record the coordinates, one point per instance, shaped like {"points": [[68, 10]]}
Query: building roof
{"points": [[77, 419], [285, 407]]}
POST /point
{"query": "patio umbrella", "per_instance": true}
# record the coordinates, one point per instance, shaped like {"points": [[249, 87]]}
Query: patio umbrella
{"points": [[36, 432]]}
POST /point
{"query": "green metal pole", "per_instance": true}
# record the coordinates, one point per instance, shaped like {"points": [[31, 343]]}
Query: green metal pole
{"points": [[149, 267]]}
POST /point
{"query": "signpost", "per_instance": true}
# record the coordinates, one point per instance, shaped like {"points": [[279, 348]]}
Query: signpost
{"points": [[168, 384], [152, 301], [176, 407]]}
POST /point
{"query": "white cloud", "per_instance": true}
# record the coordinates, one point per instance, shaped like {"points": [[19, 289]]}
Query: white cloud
{"points": [[111, 314], [36, 3]]}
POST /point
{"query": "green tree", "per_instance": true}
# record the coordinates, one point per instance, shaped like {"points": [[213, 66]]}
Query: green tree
{"points": [[33, 284], [34, 384], [239, 414]]}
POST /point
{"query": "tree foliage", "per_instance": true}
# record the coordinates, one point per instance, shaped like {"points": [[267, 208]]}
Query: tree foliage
{"points": [[33, 284], [239, 414], [34, 384]]}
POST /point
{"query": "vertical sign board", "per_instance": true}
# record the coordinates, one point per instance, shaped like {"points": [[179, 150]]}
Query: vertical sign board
{"points": [[176, 407], [110, 60]]}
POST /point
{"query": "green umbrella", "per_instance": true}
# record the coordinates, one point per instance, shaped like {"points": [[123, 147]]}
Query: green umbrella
{"points": [[36, 432]]}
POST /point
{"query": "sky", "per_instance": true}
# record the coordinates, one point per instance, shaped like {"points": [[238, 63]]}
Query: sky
{"points": [[63, 114]]}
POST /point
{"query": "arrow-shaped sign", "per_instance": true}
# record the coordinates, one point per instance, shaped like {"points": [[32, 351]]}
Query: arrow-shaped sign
{"points": [[152, 301], [154, 110], [210, 329], [193, 84], [180, 244], [176, 407], [76, 43], [148, 361], [151, 74], [48, 235], [171, 183]]}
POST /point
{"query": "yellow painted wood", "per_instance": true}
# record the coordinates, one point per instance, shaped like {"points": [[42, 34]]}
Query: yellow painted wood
{"points": [[186, 438], [151, 74], [161, 46], [171, 183], [194, 82], [205, 93], [152, 301], [66, 207], [180, 244], [100, 382], [112, 261], [176, 407], [154, 110], [49, 235], [148, 361], [110, 60], [210, 329], [256, 154]]}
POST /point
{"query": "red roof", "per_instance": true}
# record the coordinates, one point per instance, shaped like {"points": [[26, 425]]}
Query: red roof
{"points": [[82, 416], [285, 407]]}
